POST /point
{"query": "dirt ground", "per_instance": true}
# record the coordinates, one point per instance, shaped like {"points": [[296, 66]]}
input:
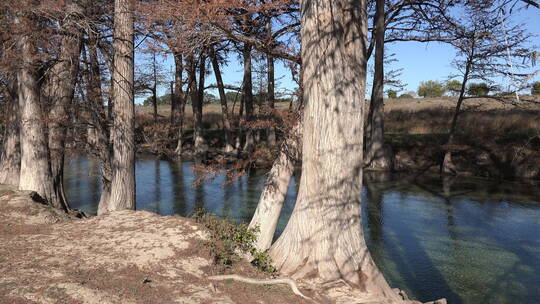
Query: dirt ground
{"points": [[47, 256]]}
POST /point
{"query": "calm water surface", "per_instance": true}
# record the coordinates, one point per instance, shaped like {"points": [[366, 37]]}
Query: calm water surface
{"points": [[470, 240]]}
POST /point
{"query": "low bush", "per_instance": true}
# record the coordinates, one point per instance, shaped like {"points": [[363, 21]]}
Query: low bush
{"points": [[431, 88], [403, 96], [478, 89], [229, 241], [535, 88], [391, 93]]}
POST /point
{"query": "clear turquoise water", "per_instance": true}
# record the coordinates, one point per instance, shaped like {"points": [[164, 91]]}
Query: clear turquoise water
{"points": [[470, 240]]}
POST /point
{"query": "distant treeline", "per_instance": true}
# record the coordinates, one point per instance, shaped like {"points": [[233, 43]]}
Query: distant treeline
{"points": [[211, 98]]}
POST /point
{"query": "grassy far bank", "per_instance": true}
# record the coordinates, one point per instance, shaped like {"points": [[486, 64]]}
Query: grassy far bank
{"points": [[415, 116], [480, 116], [494, 139]]}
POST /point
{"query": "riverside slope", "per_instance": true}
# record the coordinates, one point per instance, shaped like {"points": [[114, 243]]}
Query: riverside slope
{"points": [[47, 256]]}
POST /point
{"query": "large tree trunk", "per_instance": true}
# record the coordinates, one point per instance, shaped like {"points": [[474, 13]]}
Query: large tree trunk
{"points": [[98, 131], [176, 92], [324, 236], [105, 196], [35, 166], [123, 180], [179, 101], [10, 155], [378, 155], [270, 96], [59, 91], [247, 97], [197, 106], [275, 190], [95, 107], [223, 99]]}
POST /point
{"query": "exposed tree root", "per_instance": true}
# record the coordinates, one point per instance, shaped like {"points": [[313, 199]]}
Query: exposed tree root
{"points": [[287, 281]]}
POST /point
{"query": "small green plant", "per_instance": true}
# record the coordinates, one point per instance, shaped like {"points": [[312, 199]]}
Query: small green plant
{"points": [[228, 240], [478, 89], [431, 88], [391, 93], [405, 95], [536, 88], [453, 87]]}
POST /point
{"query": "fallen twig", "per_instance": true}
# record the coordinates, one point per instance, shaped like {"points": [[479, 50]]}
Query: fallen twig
{"points": [[287, 281]]}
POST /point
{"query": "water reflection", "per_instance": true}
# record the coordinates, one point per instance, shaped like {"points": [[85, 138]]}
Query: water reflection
{"points": [[466, 239], [169, 188]]}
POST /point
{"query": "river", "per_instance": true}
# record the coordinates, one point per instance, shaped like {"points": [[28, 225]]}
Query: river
{"points": [[470, 240]]}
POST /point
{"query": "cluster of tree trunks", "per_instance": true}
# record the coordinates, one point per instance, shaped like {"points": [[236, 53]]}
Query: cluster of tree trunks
{"points": [[324, 235], [42, 112], [275, 189], [33, 149]]}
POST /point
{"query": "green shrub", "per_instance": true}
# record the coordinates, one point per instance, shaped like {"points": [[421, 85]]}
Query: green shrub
{"points": [[405, 95], [454, 87], [536, 88], [391, 93], [431, 88], [478, 89], [228, 239]]}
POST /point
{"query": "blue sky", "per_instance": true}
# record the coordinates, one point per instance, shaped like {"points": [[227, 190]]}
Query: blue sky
{"points": [[418, 61], [432, 61]]}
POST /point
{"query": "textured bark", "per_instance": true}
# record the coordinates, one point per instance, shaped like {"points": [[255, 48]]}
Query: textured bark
{"points": [[98, 131], [223, 99], [270, 98], [123, 162], [105, 196], [275, 190], [10, 154], [177, 87], [95, 109], [60, 88], [247, 96], [377, 154], [35, 166], [324, 236], [179, 101], [196, 104]]}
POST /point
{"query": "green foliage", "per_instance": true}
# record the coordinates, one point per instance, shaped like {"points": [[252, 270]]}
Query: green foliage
{"points": [[536, 88], [453, 86], [391, 93], [228, 239], [405, 95], [431, 88], [478, 89], [166, 99], [232, 96], [161, 100]]}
